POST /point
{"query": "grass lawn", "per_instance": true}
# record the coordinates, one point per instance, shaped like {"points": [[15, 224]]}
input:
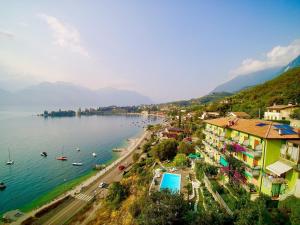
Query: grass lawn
{"points": [[59, 190]]}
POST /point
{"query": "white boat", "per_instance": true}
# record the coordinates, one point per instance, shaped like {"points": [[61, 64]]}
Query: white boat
{"points": [[78, 149], [10, 161], [94, 154], [77, 164]]}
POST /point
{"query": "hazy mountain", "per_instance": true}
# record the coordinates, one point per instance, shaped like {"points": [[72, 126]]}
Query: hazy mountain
{"points": [[243, 81], [62, 94]]}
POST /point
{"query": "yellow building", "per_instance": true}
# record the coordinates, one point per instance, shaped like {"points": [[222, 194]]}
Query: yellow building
{"points": [[269, 152]]}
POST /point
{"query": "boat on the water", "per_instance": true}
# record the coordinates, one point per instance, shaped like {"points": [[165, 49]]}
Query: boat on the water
{"points": [[2, 186], [62, 158], [78, 149], [44, 154], [77, 164], [94, 154], [10, 161]]}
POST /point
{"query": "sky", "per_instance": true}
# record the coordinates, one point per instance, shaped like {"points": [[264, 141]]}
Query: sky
{"points": [[167, 50]]}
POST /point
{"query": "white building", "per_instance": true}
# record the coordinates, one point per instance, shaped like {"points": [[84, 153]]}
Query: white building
{"points": [[280, 112]]}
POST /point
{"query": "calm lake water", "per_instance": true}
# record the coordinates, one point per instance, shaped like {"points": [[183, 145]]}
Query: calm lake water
{"points": [[27, 136]]}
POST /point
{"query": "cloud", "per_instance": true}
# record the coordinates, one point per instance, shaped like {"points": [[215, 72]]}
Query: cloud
{"points": [[6, 34], [276, 57], [65, 35]]}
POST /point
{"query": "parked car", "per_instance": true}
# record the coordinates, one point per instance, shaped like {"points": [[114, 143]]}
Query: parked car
{"points": [[121, 167], [102, 185]]}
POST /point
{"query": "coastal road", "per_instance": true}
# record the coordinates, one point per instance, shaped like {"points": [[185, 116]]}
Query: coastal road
{"points": [[67, 211]]}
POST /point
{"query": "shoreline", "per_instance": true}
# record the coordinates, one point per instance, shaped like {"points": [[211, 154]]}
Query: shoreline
{"points": [[83, 181]]}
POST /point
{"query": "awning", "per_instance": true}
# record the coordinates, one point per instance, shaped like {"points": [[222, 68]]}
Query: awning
{"points": [[279, 168]]}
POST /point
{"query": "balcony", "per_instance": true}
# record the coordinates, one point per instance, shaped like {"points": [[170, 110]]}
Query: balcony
{"points": [[255, 154], [236, 138], [252, 172], [258, 147], [290, 153], [246, 143]]}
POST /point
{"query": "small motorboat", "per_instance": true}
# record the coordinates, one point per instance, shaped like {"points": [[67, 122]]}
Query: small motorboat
{"points": [[78, 149], [2, 186], [94, 154], [62, 158], [44, 154], [77, 164]]}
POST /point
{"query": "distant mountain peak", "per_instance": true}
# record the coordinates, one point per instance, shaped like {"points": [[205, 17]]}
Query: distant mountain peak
{"points": [[63, 94]]}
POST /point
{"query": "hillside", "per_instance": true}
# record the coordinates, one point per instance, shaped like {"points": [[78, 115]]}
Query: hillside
{"points": [[281, 90], [242, 81], [212, 97]]}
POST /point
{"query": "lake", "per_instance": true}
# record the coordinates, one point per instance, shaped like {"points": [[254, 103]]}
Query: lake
{"points": [[27, 136]]}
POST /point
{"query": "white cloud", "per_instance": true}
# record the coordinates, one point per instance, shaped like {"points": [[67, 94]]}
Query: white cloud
{"points": [[278, 56], [6, 34], [65, 35]]}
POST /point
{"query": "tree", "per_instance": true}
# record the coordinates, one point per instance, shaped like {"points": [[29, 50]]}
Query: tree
{"points": [[147, 147], [116, 194], [167, 149], [180, 160], [185, 148], [163, 208], [135, 156], [295, 114]]}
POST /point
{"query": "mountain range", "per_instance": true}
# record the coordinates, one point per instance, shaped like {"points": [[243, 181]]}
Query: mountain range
{"points": [[244, 81], [61, 94]]}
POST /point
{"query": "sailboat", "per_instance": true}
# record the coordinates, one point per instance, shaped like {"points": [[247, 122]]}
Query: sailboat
{"points": [[62, 157], [77, 163], [10, 161]]}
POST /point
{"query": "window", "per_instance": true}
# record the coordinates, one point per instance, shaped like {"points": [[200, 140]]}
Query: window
{"points": [[255, 162]]}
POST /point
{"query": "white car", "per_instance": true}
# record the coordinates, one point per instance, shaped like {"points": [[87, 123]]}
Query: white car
{"points": [[102, 185]]}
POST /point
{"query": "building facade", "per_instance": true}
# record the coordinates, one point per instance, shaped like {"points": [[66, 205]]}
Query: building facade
{"points": [[280, 112], [268, 152]]}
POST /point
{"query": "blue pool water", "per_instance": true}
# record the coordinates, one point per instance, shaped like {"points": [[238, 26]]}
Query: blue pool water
{"points": [[171, 181]]}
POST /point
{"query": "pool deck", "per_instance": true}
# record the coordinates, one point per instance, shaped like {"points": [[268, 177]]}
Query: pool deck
{"points": [[184, 172]]}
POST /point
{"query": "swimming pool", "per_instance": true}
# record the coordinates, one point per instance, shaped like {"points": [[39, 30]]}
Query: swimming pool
{"points": [[171, 181]]}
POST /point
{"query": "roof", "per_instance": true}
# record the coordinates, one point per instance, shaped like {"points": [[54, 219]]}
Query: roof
{"points": [[241, 114], [175, 129], [261, 128], [279, 168], [278, 107]]}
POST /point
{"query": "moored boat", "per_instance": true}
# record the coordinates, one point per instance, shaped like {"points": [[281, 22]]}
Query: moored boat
{"points": [[2, 186], [94, 154], [10, 161], [77, 164], [44, 154], [62, 158]]}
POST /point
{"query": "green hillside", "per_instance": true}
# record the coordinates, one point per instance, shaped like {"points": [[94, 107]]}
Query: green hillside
{"points": [[281, 90], [202, 100]]}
